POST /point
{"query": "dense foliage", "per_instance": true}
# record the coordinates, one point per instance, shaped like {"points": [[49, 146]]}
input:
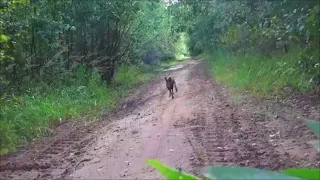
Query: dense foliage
{"points": [[59, 57], [63, 59], [45, 40], [264, 29]]}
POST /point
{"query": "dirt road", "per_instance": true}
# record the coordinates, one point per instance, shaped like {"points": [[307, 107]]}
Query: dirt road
{"points": [[204, 125]]}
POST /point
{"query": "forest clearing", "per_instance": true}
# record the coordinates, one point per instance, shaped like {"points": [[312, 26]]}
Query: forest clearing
{"points": [[83, 90]]}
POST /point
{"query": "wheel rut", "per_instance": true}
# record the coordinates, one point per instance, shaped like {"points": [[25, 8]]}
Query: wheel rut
{"points": [[202, 126]]}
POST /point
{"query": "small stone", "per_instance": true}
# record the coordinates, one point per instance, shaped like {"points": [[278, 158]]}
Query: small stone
{"points": [[100, 168], [273, 135], [247, 162], [261, 152], [96, 160], [171, 150]]}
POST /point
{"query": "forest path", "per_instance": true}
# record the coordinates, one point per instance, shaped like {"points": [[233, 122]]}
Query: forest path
{"points": [[203, 125]]}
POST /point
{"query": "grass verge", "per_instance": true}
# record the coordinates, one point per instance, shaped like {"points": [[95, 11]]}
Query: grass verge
{"points": [[265, 77], [26, 117]]}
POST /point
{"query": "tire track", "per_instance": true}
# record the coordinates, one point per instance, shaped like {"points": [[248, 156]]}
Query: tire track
{"points": [[226, 134]]}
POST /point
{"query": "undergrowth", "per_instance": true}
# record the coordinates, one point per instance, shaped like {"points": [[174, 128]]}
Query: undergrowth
{"points": [[260, 75], [23, 118]]}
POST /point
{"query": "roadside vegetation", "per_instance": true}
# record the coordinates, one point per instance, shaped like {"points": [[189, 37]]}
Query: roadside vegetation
{"points": [[270, 48], [266, 47], [75, 59], [262, 76]]}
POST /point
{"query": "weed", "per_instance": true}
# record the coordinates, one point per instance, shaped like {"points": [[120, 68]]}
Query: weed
{"points": [[30, 116], [260, 75]]}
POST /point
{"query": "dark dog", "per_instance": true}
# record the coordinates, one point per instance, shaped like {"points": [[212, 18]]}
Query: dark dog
{"points": [[170, 82]]}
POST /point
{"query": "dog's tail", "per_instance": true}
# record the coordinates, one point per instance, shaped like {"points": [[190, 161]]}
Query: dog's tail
{"points": [[166, 79], [176, 87]]}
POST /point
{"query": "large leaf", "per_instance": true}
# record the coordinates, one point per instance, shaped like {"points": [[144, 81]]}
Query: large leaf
{"points": [[307, 174], [168, 172], [244, 173], [314, 126]]}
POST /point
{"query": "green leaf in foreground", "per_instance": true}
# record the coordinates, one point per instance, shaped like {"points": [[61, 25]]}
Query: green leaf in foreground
{"points": [[224, 172], [168, 172], [307, 174], [314, 126]]}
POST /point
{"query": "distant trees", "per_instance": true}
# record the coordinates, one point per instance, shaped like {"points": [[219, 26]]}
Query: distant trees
{"points": [[46, 40], [264, 27]]}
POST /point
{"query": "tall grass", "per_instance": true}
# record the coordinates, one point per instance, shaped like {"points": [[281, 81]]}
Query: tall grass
{"points": [[260, 75], [30, 116]]}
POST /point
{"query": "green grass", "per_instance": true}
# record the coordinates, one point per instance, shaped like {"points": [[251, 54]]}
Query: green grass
{"points": [[171, 63], [260, 75], [26, 117]]}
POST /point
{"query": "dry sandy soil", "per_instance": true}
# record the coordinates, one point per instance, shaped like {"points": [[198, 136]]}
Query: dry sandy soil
{"points": [[204, 125]]}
